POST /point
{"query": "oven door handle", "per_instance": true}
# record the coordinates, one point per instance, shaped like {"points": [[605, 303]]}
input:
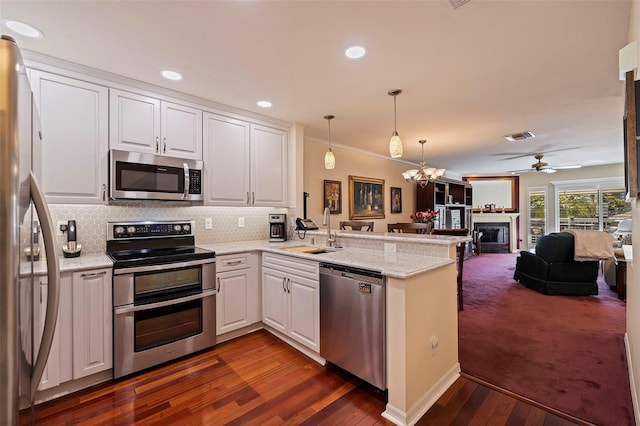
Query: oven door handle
{"points": [[162, 266], [131, 308]]}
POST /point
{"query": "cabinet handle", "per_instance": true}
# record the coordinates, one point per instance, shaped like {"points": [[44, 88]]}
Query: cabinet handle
{"points": [[253, 197], [157, 144], [94, 274], [104, 192], [284, 286], [164, 145], [248, 198], [234, 262], [218, 289], [288, 285]]}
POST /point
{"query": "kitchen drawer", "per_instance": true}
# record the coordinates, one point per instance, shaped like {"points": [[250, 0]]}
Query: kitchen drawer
{"points": [[232, 262], [291, 265]]}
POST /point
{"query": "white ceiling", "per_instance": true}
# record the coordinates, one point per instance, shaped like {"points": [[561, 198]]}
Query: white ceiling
{"points": [[468, 75]]}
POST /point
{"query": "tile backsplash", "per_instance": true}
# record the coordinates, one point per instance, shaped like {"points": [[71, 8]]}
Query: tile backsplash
{"points": [[91, 220]]}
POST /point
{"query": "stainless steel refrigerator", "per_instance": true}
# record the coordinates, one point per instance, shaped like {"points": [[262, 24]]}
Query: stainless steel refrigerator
{"points": [[23, 212]]}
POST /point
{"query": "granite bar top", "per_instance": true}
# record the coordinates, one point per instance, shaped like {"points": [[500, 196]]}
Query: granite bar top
{"points": [[395, 265]]}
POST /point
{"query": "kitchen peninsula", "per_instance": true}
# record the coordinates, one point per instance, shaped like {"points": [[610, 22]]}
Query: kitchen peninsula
{"points": [[421, 323]]}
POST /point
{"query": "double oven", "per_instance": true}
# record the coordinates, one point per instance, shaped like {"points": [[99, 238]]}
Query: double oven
{"points": [[163, 293]]}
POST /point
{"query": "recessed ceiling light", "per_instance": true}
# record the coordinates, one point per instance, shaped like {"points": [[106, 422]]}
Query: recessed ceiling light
{"points": [[172, 75], [355, 52], [264, 104], [22, 28]]}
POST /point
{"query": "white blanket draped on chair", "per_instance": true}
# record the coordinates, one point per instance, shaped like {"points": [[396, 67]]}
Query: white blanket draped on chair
{"points": [[591, 245]]}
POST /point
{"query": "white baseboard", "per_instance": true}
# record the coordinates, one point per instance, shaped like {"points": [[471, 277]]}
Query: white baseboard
{"points": [[411, 417], [632, 381]]}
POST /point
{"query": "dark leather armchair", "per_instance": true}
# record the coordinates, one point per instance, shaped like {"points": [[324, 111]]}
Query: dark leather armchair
{"points": [[552, 270]]}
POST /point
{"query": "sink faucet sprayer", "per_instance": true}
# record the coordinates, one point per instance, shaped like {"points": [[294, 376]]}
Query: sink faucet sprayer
{"points": [[326, 221]]}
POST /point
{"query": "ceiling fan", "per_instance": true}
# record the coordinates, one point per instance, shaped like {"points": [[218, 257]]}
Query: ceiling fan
{"points": [[541, 166]]}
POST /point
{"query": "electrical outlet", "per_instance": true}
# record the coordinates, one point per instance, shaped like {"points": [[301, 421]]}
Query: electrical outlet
{"points": [[208, 223], [241, 222], [60, 226], [389, 248]]}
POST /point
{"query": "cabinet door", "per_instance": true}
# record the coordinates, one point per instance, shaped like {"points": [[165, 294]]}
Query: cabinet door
{"points": [[226, 160], [58, 368], [274, 300], [181, 128], [50, 376], [134, 122], [92, 322], [268, 166], [304, 325], [232, 310], [74, 123]]}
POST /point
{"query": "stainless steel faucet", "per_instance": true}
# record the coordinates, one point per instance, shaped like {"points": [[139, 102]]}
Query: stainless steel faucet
{"points": [[326, 221]]}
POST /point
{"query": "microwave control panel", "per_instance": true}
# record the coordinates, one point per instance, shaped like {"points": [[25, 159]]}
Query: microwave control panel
{"points": [[195, 181]]}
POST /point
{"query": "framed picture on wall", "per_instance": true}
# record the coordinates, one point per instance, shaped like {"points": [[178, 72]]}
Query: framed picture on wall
{"points": [[366, 198], [396, 200], [333, 196]]}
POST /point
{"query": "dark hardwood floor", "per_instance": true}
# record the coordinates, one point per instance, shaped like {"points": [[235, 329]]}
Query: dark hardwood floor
{"points": [[259, 380]]}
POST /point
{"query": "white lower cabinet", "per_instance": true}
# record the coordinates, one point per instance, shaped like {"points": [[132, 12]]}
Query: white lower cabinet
{"points": [[92, 322], [291, 298], [238, 286], [58, 369]]}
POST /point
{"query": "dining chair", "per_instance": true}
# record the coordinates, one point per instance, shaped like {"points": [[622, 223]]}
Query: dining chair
{"points": [[410, 227], [356, 225], [460, 250]]}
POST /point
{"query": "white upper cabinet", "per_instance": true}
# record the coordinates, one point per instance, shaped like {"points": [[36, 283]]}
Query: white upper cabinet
{"points": [[226, 160], [268, 166], [245, 163], [143, 124], [74, 122]]}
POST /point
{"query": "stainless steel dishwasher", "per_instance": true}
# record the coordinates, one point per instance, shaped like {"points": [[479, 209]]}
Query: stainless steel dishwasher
{"points": [[352, 321]]}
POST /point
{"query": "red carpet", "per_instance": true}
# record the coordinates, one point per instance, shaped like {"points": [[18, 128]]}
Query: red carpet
{"points": [[566, 352]]}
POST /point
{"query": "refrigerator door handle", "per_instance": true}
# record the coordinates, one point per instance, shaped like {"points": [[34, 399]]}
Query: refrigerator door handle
{"points": [[53, 273]]}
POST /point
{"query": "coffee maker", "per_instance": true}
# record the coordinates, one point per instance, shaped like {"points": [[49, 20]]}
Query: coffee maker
{"points": [[71, 248], [277, 227]]}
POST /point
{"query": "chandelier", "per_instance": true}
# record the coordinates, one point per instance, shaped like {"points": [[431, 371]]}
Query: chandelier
{"points": [[425, 175]]}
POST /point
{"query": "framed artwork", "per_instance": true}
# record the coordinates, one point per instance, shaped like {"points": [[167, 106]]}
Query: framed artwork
{"points": [[366, 198], [333, 196], [396, 200]]}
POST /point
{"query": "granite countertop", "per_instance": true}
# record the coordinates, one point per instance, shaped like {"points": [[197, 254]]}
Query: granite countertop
{"points": [[395, 265], [84, 262]]}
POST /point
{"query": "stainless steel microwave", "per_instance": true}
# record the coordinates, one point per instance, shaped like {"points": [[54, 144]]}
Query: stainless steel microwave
{"points": [[138, 176]]}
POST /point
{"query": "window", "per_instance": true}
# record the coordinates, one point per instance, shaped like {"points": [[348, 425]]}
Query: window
{"points": [[537, 215], [591, 204]]}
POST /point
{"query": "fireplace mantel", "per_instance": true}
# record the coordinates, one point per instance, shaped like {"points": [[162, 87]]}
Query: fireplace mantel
{"points": [[499, 218]]}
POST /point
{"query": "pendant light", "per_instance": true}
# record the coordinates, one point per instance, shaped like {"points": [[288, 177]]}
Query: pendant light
{"points": [[329, 159], [395, 144]]}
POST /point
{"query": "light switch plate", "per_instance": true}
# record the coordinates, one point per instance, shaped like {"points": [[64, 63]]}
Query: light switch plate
{"points": [[389, 248], [241, 222], [208, 223]]}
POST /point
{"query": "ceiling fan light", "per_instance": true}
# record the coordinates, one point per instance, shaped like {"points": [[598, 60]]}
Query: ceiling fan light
{"points": [[440, 173], [430, 171], [395, 145], [549, 170]]}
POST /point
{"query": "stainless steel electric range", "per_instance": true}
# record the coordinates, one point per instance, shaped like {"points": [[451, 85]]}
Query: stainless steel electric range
{"points": [[163, 293]]}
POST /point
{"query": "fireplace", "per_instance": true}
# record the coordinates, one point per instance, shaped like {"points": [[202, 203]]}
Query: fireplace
{"points": [[495, 236]]}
